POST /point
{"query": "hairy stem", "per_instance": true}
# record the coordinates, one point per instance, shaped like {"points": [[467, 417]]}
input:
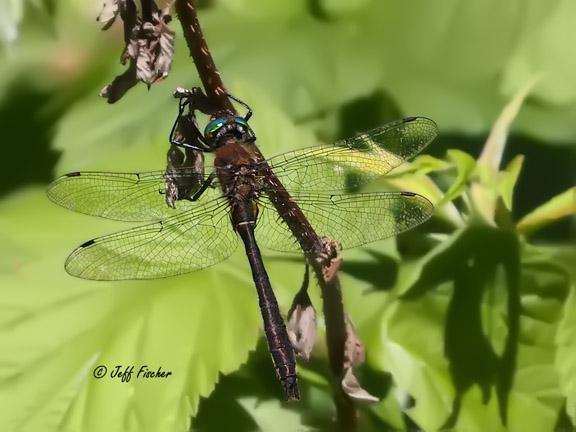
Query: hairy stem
{"points": [[209, 75], [333, 308]]}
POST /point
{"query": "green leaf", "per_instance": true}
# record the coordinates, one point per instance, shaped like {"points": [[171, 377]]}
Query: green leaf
{"points": [[484, 190], [343, 7], [313, 377], [446, 332], [56, 329], [543, 52], [560, 206], [465, 165], [389, 411], [10, 18], [262, 9], [493, 149], [270, 415], [422, 164], [565, 361], [508, 179], [47, 6], [423, 185]]}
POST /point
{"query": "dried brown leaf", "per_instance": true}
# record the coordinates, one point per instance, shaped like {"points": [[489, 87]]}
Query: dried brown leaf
{"points": [[130, 52], [302, 330], [354, 353], [145, 61], [149, 49], [121, 84], [108, 13], [302, 322], [352, 388], [166, 53]]}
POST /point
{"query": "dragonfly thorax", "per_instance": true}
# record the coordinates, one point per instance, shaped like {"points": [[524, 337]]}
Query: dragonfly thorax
{"points": [[229, 126]]}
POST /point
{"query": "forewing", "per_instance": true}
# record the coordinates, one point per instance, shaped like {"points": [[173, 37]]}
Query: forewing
{"points": [[352, 219], [126, 196], [347, 165], [183, 243]]}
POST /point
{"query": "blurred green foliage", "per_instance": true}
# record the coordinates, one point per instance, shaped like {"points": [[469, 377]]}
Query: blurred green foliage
{"points": [[469, 321]]}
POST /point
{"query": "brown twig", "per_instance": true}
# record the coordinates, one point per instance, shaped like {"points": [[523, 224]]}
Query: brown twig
{"points": [[209, 75], [321, 258]]}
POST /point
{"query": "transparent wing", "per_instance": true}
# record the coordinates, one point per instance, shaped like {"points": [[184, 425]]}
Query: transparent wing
{"points": [[183, 243], [352, 219], [127, 196], [347, 165]]}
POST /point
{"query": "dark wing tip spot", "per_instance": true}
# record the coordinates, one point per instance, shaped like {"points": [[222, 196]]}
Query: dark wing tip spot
{"points": [[410, 194], [73, 174], [88, 243], [409, 119]]}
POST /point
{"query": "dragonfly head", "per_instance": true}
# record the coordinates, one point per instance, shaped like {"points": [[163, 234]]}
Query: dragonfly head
{"points": [[228, 126]]}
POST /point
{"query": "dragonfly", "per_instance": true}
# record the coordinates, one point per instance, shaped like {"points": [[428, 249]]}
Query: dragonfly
{"points": [[285, 203]]}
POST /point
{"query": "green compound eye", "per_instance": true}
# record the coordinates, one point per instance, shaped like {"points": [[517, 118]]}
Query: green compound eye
{"points": [[240, 120], [213, 126]]}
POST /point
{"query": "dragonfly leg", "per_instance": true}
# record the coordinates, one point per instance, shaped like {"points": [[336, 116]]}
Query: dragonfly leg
{"points": [[189, 146], [244, 104], [193, 99], [205, 185], [252, 136]]}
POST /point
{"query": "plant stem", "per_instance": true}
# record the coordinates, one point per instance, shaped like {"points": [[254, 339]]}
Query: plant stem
{"points": [[209, 75]]}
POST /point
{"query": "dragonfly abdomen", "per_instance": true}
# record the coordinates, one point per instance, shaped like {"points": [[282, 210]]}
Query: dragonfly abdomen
{"points": [[276, 335]]}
